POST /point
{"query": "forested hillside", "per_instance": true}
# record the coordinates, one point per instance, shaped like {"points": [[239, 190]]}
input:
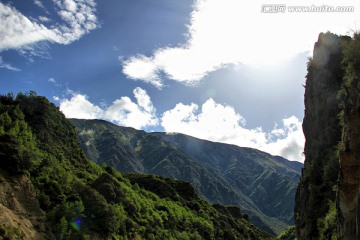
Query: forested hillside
{"points": [[51, 191]]}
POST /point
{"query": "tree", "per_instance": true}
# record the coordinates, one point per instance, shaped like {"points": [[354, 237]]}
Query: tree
{"points": [[12, 158]]}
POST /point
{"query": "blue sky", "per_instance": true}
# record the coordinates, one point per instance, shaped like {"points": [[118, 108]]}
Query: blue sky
{"points": [[222, 70]]}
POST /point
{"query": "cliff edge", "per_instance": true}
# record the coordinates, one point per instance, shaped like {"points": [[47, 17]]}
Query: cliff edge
{"points": [[327, 198]]}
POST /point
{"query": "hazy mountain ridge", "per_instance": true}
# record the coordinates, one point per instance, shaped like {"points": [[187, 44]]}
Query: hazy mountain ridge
{"points": [[221, 173], [253, 172]]}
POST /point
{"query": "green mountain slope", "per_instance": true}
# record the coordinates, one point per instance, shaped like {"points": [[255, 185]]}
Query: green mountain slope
{"points": [[261, 184], [49, 190]]}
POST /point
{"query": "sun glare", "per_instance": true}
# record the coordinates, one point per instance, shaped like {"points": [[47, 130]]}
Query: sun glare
{"points": [[261, 37]]}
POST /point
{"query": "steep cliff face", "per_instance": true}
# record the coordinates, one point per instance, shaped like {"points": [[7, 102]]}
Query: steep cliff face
{"points": [[327, 199], [349, 180], [315, 193]]}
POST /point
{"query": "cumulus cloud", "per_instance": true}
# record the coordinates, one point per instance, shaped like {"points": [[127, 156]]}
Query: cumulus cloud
{"points": [[18, 31], [8, 66], [80, 107], [125, 112], [221, 123], [122, 111], [212, 121], [143, 68], [291, 142], [231, 32], [79, 16]]}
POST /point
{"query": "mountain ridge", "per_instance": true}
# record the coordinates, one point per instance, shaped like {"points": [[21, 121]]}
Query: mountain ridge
{"points": [[153, 153], [295, 165]]}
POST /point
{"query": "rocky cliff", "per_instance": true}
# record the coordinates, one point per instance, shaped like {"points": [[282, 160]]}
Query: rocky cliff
{"points": [[349, 178], [327, 197], [321, 129]]}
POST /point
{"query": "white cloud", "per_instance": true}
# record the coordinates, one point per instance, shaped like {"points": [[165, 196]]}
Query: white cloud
{"points": [[291, 143], [18, 31], [212, 121], [40, 49], [56, 98], [39, 4], [54, 82], [44, 19], [220, 123], [8, 66], [125, 112], [232, 31], [143, 100], [122, 111], [80, 107], [142, 68]]}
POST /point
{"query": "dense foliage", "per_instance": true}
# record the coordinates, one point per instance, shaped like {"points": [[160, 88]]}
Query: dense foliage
{"points": [[11, 233], [350, 83], [288, 234], [85, 201]]}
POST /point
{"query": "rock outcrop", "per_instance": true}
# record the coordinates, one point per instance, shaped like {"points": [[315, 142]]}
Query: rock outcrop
{"points": [[20, 209], [322, 133]]}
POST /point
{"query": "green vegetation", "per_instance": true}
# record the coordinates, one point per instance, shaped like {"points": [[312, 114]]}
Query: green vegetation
{"points": [[327, 225], [350, 84], [262, 185], [10, 233], [85, 201], [288, 234]]}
